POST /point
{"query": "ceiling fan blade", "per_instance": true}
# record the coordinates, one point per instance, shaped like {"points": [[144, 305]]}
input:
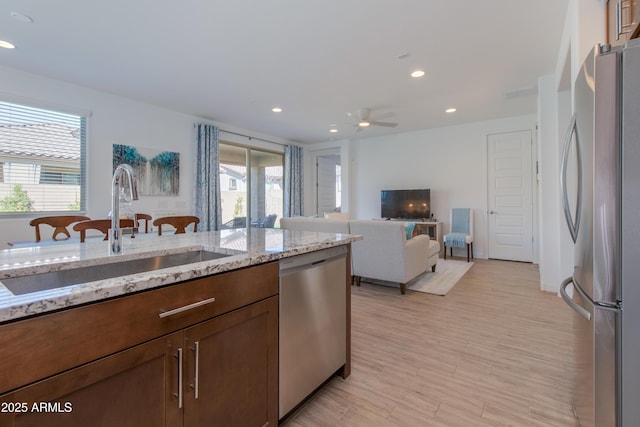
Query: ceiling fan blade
{"points": [[383, 116], [385, 124]]}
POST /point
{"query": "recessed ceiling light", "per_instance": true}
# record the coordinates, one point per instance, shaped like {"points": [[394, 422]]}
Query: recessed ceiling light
{"points": [[364, 124], [6, 44], [450, 110], [334, 130], [21, 17], [417, 73], [276, 110]]}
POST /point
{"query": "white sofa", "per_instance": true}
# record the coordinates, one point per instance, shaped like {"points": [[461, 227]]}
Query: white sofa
{"points": [[319, 225], [384, 253]]}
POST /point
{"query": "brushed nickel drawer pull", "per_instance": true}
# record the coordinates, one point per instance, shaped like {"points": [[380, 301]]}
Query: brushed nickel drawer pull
{"points": [[185, 308]]}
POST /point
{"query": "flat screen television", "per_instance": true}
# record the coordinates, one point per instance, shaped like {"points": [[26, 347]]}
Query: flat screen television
{"points": [[405, 204]]}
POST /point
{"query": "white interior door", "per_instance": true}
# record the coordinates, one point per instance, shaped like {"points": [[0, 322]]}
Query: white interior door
{"points": [[510, 196], [326, 183]]}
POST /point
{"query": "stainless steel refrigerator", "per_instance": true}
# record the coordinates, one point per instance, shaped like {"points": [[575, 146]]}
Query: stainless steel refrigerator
{"points": [[601, 170]]}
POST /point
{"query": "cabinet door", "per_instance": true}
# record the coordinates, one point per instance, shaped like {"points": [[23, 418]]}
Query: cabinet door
{"points": [[232, 368], [623, 17], [134, 387]]}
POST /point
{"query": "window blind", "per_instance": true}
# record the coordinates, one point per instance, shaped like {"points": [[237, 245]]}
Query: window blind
{"points": [[42, 160]]}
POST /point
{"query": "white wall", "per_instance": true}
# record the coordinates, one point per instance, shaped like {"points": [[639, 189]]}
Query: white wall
{"points": [[584, 27], [114, 120], [451, 161]]}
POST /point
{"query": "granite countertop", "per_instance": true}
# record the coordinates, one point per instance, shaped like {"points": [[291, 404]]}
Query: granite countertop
{"points": [[245, 247]]}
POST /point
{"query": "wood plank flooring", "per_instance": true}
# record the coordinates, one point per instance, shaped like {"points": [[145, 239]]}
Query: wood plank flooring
{"points": [[495, 351]]}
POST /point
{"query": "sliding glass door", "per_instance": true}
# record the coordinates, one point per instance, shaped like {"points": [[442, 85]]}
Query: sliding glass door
{"points": [[251, 187]]}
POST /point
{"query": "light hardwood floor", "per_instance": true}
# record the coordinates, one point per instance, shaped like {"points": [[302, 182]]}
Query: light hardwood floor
{"points": [[495, 351]]}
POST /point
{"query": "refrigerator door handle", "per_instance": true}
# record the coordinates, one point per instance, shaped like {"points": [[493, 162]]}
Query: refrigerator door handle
{"points": [[565, 296], [573, 224]]}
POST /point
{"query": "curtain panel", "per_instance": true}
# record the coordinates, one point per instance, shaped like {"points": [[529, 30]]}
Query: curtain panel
{"points": [[293, 181], [207, 188]]}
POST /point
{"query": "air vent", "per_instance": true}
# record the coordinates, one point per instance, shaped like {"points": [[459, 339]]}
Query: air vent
{"points": [[521, 92]]}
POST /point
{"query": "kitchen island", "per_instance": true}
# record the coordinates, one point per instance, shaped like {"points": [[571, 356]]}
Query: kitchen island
{"points": [[193, 344]]}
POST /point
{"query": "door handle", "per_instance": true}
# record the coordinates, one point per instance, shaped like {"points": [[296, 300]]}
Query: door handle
{"points": [[573, 224], [196, 369], [178, 395], [565, 296], [618, 19], [492, 212]]}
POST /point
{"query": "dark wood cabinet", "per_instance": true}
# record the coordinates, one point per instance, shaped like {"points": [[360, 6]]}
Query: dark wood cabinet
{"points": [[623, 17], [129, 388], [232, 367], [215, 364]]}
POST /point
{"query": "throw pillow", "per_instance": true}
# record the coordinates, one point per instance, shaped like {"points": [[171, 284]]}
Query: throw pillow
{"points": [[408, 229]]}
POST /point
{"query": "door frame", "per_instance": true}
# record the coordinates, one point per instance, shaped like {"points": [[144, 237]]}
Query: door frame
{"points": [[535, 183]]}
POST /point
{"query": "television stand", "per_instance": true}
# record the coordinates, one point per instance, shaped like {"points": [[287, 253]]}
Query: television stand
{"points": [[432, 228]]}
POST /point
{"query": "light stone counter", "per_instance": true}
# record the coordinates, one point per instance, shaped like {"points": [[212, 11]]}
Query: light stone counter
{"points": [[245, 246]]}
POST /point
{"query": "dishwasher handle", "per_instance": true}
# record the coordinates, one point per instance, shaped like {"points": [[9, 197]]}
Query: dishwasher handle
{"points": [[295, 263], [323, 263]]}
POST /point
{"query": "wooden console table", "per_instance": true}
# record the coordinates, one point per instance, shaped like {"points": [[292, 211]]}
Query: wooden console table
{"points": [[433, 229]]}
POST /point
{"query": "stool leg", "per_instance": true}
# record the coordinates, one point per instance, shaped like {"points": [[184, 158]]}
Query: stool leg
{"points": [[468, 252]]}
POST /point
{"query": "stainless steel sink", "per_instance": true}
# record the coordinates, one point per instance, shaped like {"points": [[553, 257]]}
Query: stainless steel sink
{"points": [[73, 276]]}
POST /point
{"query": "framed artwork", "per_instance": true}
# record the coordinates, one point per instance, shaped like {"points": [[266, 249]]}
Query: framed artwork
{"points": [[158, 172]]}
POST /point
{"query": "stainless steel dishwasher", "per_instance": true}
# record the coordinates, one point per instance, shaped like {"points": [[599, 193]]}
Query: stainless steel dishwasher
{"points": [[313, 315]]}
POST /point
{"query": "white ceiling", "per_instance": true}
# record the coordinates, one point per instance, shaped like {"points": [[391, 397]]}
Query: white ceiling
{"points": [[232, 61]]}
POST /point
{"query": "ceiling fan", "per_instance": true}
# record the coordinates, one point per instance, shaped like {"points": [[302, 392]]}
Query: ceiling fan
{"points": [[364, 120]]}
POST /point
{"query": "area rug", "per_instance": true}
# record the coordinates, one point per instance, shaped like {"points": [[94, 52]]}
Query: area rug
{"points": [[447, 274]]}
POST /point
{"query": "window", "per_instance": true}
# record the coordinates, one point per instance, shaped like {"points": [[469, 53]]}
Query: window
{"points": [[233, 184], [42, 160]]}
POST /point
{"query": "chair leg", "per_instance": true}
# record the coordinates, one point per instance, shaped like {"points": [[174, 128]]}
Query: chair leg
{"points": [[403, 288], [433, 268], [468, 245], [357, 280], [472, 250], [445, 250]]}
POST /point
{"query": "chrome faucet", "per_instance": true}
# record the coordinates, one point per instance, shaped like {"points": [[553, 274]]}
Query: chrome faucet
{"points": [[115, 233]]}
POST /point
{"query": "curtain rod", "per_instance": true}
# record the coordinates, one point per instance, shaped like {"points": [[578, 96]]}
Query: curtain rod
{"points": [[252, 137], [247, 136]]}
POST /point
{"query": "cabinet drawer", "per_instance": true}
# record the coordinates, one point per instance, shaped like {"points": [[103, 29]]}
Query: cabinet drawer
{"points": [[42, 346]]}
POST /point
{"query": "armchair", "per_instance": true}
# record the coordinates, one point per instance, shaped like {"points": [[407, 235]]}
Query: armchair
{"points": [[386, 254], [268, 221]]}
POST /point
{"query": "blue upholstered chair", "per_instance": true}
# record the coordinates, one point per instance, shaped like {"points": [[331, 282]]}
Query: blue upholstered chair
{"points": [[461, 234]]}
